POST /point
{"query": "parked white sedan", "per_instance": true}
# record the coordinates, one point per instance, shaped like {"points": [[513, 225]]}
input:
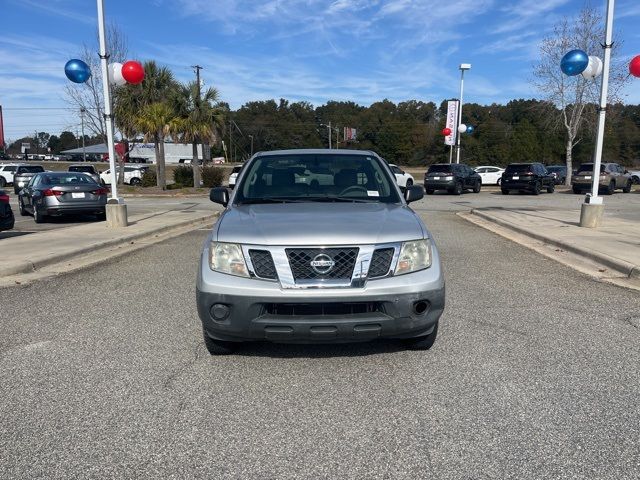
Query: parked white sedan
{"points": [[403, 178], [132, 175], [490, 175]]}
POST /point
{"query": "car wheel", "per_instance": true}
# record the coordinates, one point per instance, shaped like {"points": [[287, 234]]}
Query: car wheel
{"points": [[422, 343], [551, 188], [217, 347], [611, 188], [505, 191], [37, 215], [3, 182], [23, 212], [627, 189], [536, 188], [101, 217], [409, 184], [635, 179], [499, 182], [477, 187], [457, 190], [135, 181], [576, 190], [429, 191]]}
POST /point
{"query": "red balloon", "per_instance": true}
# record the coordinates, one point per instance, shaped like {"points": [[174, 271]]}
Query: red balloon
{"points": [[446, 132], [634, 66], [133, 72]]}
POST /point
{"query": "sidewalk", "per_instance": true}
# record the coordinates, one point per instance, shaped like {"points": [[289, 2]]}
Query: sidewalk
{"points": [[28, 253], [615, 245]]}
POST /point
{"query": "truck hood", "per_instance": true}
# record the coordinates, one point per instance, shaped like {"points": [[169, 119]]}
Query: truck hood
{"points": [[319, 224]]}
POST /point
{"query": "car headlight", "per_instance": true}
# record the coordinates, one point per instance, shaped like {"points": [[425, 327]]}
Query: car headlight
{"points": [[448, 178], [414, 256], [227, 258]]}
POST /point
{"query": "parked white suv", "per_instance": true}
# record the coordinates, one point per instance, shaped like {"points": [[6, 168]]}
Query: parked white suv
{"points": [[490, 175], [403, 178], [7, 171], [132, 175]]}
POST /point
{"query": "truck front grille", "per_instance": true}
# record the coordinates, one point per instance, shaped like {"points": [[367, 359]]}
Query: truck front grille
{"points": [[263, 265], [321, 309], [300, 261], [381, 262]]}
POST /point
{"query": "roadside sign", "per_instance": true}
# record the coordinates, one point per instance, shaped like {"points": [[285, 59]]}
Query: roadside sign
{"points": [[452, 122]]}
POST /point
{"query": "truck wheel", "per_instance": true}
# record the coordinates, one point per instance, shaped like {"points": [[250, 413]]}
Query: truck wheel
{"points": [[422, 343], [217, 347]]}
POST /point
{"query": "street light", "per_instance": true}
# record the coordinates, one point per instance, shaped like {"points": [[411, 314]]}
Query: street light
{"points": [[115, 210], [593, 209], [463, 68]]}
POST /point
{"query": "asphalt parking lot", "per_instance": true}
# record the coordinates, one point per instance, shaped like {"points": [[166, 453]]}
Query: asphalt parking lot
{"points": [[534, 375]]}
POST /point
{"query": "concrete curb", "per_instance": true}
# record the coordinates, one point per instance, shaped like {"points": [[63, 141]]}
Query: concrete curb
{"points": [[625, 268], [29, 266]]}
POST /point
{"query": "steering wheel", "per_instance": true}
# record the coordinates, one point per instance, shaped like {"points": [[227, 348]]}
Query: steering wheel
{"points": [[353, 188]]}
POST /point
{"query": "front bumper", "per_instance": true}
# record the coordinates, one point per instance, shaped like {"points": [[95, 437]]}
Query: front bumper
{"points": [[510, 184], [251, 317]]}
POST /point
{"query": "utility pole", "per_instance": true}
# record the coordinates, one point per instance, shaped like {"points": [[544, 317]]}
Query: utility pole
{"points": [[463, 67], [195, 140], [251, 136], [230, 143], [84, 153], [330, 135]]}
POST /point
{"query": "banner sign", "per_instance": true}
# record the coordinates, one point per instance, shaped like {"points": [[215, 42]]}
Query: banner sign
{"points": [[1, 130], [452, 122], [349, 134]]}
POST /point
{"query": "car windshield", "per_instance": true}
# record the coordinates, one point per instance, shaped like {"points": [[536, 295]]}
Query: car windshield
{"points": [[519, 168], [31, 169], [555, 169], [82, 168], [316, 177], [439, 169], [588, 167], [67, 179]]}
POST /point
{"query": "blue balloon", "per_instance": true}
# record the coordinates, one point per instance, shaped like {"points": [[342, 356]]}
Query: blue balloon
{"points": [[574, 63], [77, 71], [469, 128]]}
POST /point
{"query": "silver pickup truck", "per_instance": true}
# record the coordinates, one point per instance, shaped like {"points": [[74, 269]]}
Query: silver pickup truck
{"points": [[23, 175], [295, 259]]}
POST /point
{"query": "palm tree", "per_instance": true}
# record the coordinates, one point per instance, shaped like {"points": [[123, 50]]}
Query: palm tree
{"points": [[156, 121], [130, 101], [200, 120]]}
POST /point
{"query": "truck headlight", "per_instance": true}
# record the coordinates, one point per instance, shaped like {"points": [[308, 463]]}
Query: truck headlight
{"points": [[414, 256], [227, 258]]}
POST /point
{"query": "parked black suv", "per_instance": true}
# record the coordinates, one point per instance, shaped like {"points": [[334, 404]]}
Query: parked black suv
{"points": [[532, 177], [453, 177]]}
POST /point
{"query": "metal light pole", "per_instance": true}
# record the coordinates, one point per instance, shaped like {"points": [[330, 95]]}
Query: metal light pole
{"points": [[593, 209], [463, 67], [251, 136], [84, 153], [116, 211], [330, 133]]}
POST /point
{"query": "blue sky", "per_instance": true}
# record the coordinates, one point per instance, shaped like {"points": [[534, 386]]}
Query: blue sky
{"points": [[356, 50]]}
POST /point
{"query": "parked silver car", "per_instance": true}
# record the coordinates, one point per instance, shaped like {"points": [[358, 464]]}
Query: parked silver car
{"points": [[62, 193], [292, 260]]}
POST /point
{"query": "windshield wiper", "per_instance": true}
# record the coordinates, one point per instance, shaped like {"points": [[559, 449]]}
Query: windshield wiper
{"points": [[252, 201]]}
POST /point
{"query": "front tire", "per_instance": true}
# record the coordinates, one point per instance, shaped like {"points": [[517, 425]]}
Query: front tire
{"points": [[536, 188], [218, 347], [627, 189], [21, 208], [135, 181], [408, 184], [422, 343], [551, 188], [477, 187]]}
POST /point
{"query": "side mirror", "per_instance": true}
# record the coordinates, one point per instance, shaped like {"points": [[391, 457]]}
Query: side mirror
{"points": [[219, 195], [414, 193]]}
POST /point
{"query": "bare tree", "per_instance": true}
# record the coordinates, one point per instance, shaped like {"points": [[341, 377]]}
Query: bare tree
{"points": [[576, 98], [88, 95]]}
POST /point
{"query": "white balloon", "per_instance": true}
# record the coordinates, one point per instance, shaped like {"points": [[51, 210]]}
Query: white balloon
{"points": [[594, 69], [115, 74], [462, 128]]}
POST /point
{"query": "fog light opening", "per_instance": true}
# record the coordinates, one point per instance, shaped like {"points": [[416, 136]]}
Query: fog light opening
{"points": [[419, 308], [219, 311]]}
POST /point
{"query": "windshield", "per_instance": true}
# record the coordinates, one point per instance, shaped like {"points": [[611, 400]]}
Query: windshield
{"points": [[31, 169], [555, 169], [519, 168], [86, 169], [439, 169], [67, 179], [588, 167], [316, 177]]}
